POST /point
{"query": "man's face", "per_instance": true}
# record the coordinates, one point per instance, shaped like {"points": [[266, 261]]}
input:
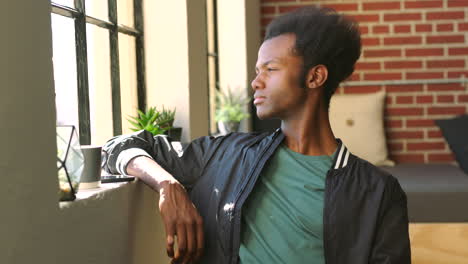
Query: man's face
{"points": [[278, 91]]}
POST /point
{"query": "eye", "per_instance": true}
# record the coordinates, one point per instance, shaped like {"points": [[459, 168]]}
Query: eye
{"points": [[271, 69]]}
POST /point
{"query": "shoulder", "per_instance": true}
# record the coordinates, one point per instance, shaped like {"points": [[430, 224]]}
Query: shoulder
{"points": [[373, 175]]}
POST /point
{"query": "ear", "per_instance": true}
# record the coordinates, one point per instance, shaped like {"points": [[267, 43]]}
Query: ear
{"points": [[316, 76]]}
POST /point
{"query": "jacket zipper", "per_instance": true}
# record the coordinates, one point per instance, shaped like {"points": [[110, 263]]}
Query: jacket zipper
{"points": [[248, 186]]}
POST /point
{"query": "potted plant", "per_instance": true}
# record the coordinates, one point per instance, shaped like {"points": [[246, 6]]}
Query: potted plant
{"points": [[157, 122], [166, 118], [230, 110], [148, 121]]}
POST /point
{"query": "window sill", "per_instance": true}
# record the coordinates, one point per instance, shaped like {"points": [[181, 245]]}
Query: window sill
{"points": [[87, 195]]}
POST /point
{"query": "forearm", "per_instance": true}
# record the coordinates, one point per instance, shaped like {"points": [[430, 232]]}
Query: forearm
{"points": [[149, 172]]}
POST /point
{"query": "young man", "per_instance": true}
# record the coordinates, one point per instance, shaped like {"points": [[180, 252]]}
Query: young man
{"points": [[293, 196]]}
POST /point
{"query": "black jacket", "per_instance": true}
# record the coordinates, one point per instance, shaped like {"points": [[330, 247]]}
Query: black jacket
{"points": [[365, 215]]}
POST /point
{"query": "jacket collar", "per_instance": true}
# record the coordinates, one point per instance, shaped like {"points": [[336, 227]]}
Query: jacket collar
{"points": [[342, 158]]}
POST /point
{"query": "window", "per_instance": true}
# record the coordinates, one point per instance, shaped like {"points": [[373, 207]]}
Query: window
{"points": [[99, 69], [213, 65]]}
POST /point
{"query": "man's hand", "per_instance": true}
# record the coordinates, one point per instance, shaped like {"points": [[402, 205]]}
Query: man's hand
{"points": [[180, 217], [181, 220]]}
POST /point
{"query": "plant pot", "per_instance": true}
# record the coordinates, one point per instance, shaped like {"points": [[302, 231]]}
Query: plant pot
{"points": [[228, 127], [175, 133]]}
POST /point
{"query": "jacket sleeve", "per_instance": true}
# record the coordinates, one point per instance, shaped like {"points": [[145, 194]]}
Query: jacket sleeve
{"points": [[392, 244], [185, 164]]}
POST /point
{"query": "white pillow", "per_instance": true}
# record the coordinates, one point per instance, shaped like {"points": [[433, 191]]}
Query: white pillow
{"points": [[357, 119]]}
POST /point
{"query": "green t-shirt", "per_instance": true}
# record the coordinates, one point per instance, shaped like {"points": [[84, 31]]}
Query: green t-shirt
{"points": [[282, 220]]}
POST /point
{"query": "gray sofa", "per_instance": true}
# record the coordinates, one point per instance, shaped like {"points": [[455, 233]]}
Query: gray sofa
{"points": [[435, 192]]}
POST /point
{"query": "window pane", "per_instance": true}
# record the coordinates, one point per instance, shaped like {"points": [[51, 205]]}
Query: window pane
{"points": [[125, 12], [69, 3], [64, 59], [97, 9], [100, 91], [128, 79]]}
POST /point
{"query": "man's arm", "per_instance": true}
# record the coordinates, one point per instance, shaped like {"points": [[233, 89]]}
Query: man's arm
{"points": [[179, 215], [392, 244]]}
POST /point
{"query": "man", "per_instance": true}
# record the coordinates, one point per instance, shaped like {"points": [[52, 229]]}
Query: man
{"points": [[293, 196]]}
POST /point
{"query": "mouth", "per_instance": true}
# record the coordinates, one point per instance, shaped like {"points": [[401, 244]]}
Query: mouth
{"points": [[259, 100]]}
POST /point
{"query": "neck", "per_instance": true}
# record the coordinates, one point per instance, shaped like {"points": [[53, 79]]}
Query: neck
{"points": [[309, 131]]}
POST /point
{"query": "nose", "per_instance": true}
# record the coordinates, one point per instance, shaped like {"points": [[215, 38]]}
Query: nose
{"points": [[257, 83]]}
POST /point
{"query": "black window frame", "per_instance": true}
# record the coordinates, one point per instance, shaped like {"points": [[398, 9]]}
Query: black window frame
{"points": [[78, 13]]}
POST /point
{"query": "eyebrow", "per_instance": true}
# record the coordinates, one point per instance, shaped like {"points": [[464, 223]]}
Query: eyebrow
{"points": [[268, 62]]}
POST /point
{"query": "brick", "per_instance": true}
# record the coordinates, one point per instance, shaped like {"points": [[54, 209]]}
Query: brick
{"points": [[446, 64], [458, 51], [395, 146], [445, 39], [424, 99], [434, 134], [404, 111], [404, 99], [420, 123], [402, 40], [445, 15], [265, 21], [402, 17], [440, 157], [289, 8], [403, 64], [405, 135], [408, 158], [446, 110], [381, 6], [404, 88], [354, 77], [367, 66], [363, 30], [463, 98], [426, 146], [362, 89], [343, 7], [444, 27], [388, 100], [370, 41], [423, 28], [402, 29], [365, 18], [463, 26], [457, 3], [445, 99], [382, 53], [268, 10], [445, 87], [394, 123], [457, 74], [382, 76], [423, 4], [424, 52], [424, 75], [276, 1], [380, 29]]}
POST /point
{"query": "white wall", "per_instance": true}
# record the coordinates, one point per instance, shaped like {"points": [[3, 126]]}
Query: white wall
{"points": [[238, 43], [119, 227], [176, 62]]}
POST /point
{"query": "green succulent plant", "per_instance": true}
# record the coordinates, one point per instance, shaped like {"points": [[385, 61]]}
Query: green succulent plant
{"points": [[230, 106], [166, 117], [151, 120]]}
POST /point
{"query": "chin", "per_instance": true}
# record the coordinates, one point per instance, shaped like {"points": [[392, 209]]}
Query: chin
{"points": [[262, 115]]}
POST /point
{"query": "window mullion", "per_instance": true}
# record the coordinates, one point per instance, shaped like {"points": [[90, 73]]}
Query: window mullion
{"points": [[115, 68], [140, 53], [82, 74]]}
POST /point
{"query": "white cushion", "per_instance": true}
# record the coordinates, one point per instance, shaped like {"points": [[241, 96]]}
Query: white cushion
{"points": [[357, 119]]}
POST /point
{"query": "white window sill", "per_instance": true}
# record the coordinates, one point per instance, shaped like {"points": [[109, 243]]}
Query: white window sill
{"points": [[84, 196]]}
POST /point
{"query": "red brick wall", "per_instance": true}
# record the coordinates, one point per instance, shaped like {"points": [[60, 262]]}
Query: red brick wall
{"points": [[407, 40]]}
